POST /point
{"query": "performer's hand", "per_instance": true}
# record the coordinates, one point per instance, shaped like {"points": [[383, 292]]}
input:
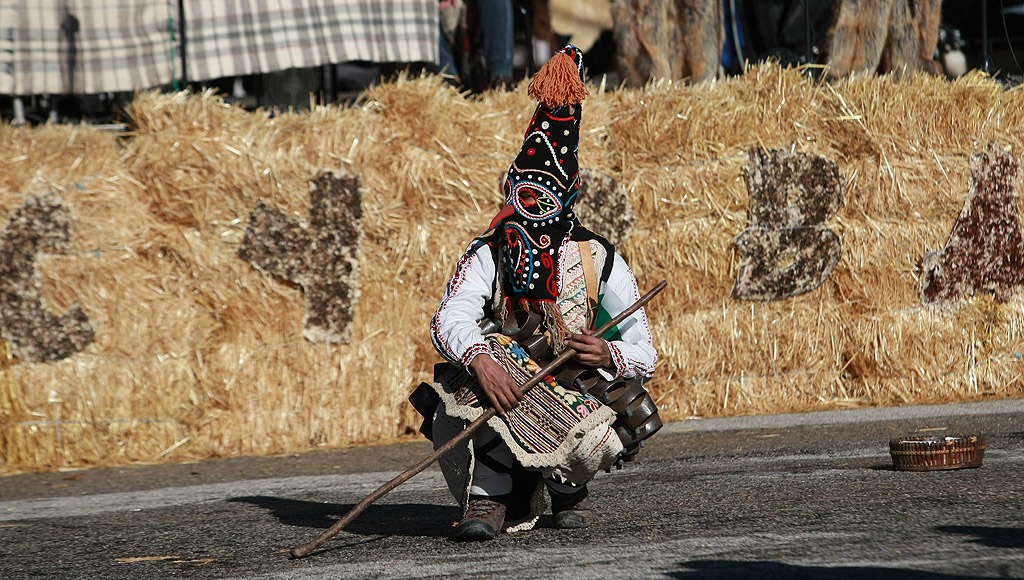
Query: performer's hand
{"points": [[590, 350], [500, 387]]}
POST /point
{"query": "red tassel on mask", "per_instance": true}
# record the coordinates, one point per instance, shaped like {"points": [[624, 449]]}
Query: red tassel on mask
{"points": [[558, 83]]}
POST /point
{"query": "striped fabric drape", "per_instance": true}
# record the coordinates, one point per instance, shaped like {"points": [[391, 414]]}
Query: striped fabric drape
{"points": [[95, 46], [85, 46], [235, 37]]}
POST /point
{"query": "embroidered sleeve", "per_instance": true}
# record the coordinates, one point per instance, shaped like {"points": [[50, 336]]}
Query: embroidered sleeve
{"points": [[634, 355], [622, 368], [471, 352], [454, 328]]}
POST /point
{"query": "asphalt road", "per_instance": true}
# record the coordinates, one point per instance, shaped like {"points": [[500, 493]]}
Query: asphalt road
{"points": [[786, 496]]}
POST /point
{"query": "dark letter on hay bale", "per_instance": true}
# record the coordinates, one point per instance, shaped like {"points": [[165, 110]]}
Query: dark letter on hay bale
{"points": [[604, 206], [321, 254], [985, 250], [34, 334], [670, 39], [786, 249], [884, 36]]}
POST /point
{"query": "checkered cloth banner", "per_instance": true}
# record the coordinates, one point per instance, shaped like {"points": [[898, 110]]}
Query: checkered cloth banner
{"points": [[96, 46], [86, 46], [234, 37]]}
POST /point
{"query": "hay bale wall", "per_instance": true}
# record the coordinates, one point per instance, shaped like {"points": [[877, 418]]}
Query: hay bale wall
{"points": [[196, 353]]}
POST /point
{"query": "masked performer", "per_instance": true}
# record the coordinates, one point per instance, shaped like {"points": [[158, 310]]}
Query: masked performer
{"points": [[539, 272]]}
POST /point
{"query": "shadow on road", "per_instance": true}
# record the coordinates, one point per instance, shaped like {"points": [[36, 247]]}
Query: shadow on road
{"points": [[725, 569], [409, 519], [993, 537]]}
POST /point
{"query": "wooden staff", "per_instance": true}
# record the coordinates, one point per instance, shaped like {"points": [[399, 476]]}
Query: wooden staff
{"points": [[305, 549]]}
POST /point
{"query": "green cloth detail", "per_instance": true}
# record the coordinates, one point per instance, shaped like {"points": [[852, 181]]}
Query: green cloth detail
{"points": [[603, 317]]}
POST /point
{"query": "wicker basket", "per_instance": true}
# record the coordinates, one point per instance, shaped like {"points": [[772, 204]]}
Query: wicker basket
{"points": [[933, 453]]}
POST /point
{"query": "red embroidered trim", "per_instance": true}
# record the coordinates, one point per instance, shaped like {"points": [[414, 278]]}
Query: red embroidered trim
{"points": [[453, 288], [471, 352]]}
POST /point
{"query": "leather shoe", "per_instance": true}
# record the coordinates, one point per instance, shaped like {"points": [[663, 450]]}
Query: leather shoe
{"points": [[484, 518], [571, 510]]}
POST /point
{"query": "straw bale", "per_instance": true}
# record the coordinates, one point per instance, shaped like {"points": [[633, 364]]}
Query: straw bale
{"points": [[52, 158], [922, 113], [922, 189], [974, 352], [751, 339], [138, 304], [712, 190], [66, 413], [880, 266], [702, 270], [199, 161], [197, 353], [942, 358], [283, 397], [751, 395], [666, 123]]}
